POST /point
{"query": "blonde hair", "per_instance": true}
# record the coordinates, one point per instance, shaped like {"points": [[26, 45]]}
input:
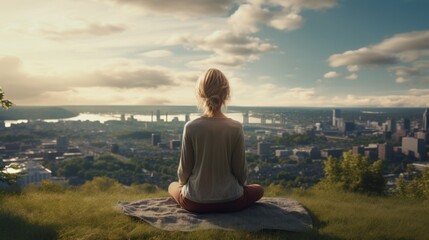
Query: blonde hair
{"points": [[212, 91]]}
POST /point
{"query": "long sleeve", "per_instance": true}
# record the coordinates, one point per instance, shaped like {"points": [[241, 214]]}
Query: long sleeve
{"points": [[238, 161], [187, 160]]}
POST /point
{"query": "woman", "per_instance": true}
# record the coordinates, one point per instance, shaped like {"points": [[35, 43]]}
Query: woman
{"points": [[212, 171]]}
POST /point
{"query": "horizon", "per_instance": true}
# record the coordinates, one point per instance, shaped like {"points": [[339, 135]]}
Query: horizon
{"points": [[276, 53]]}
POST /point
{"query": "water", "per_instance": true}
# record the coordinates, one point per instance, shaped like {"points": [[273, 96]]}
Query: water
{"points": [[103, 117]]}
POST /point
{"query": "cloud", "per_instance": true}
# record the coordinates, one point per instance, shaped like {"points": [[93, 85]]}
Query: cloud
{"points": [[19, 84], [362, 56], [229, 49], [157, 53], [305, 4], [113, 82], [278, 14], [408, 73], [183, 8], [352, 76], [84, 29], [404, 42], [331, 74], [401, 80], [353, 68], [400, 49], [141, 77]]}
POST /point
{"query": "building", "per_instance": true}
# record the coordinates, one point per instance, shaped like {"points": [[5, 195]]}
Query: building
{"points": [[174, 144], [385, 152], [422, 135], [426, 120], [283, 153], [414, 148], [358, 150], [62, 144], [406, 124], [334, 152], [246, 118], [32, 172], [158, 116], [336, 113], [391, 125], [156, 138], [263, 149], [349, 127]]}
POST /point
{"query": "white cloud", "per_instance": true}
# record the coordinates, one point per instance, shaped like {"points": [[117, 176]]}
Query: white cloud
{"points": [[401, 80], [283, 21], [247, 17], [353, 68], [281, 15], [331, 74], [158, 53], [352, 76], [230, 49], [401, 49]]}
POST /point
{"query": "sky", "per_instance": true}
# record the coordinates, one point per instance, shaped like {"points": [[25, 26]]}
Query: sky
{"points": [[309, 53]]}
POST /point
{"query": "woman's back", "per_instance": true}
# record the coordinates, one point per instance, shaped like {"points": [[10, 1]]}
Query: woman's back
{"points": [[214, 163]]}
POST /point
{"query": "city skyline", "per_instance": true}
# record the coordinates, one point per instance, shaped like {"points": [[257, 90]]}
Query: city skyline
{"points": [[305, 53]]}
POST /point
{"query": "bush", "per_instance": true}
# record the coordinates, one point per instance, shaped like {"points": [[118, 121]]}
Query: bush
{"points": [[49, 186], [353, 173], [101, 184], [417, 187]]}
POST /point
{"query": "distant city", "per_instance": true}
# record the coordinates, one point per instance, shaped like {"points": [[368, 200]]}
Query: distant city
{"points": [[283, 145]]}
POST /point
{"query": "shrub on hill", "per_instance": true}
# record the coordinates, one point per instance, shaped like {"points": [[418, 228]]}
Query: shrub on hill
{"points": [[417, 187], [353, 173]]}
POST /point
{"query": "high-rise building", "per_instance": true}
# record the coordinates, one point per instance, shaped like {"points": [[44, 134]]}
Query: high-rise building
{"points": [[156, 138], [414, 148], [336, 113], [406, 124], [158, 116], [426, 120]]}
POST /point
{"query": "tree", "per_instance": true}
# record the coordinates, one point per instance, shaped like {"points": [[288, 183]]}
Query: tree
{"points": [[354, 173], [5, 103], [5, 176]]}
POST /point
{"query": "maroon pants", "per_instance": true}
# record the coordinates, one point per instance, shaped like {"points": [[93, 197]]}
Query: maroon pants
{"points": [[251, 194]]}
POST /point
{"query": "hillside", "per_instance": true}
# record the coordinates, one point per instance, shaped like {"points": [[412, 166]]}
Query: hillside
{"points": [[89, 213], [32, 113]]}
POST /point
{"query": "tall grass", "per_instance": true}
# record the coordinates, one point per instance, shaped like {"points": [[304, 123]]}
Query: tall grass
{"points": [[89, 212]]}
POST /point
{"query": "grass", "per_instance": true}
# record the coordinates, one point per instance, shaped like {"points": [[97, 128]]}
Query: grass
{"points": [[89, 213]]}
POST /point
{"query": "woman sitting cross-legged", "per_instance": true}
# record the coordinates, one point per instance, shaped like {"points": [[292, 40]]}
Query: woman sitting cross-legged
{"points": [[212, 170]]}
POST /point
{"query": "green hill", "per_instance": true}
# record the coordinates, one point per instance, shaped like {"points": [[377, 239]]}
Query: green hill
{"points": [[88, 212], [36, 112]]}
